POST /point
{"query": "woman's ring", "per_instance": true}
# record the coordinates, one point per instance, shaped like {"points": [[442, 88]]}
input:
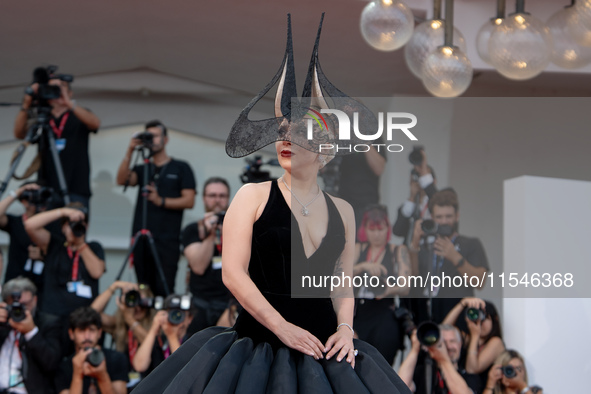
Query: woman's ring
{"points": [[355, 352]]}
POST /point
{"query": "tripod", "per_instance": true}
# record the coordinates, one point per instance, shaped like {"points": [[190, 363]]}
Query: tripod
{"points": [[144, 233], [35, 133]]}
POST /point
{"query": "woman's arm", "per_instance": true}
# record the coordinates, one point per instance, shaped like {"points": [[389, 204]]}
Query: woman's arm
{"points": [[478, 361], [403, 268], [246, 206], [35, 226], [143, 356], [343, 299], [472, 302]]}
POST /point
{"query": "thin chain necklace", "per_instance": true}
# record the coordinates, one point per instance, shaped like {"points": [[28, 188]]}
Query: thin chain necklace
{"points": [[304, 211]]}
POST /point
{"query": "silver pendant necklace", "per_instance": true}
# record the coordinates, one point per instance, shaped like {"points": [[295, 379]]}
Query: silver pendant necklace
{"points": [[304, 211]]}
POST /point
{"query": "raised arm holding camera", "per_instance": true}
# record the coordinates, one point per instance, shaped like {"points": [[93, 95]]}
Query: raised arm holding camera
{"points": [[202, 246], [90, 368], [24, 257], [169, 191], [167, 333], [509, 376], [73, 266], [448, 376], [29, 341], [71, 126]]}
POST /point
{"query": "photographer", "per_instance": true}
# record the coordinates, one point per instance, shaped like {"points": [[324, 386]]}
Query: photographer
{"points": [[167, 333], [375, 321], [479, 319], [71, 125], [422, 187], [171, 189], [448, 377], [73, 266], [202, 243], [130, 324], [24, 257], [453, 255], [509, 376], [29, 341], [90, 368]]}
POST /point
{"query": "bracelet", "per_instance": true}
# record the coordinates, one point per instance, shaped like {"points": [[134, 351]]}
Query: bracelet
{"points": [[134, 325], [23, 109], [345, 324], [12, 194], [163, 201]]}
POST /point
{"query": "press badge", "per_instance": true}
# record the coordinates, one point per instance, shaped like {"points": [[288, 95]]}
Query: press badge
{"points": [[83, 290], [60, 144], [72, 286], [38, 266], [216, 262]]}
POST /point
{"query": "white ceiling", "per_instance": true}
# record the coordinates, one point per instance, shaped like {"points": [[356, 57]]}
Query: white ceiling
{"points": [[237, 44]]}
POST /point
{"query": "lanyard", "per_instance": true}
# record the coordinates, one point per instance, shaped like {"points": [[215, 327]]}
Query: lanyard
{"points": [[132, 345], [377, 256], [438, 260], [58, 131], [219, 244], [76, 258]]}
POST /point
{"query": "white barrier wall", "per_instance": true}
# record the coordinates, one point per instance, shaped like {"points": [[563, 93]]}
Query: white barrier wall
{"points": [[546, 229]]}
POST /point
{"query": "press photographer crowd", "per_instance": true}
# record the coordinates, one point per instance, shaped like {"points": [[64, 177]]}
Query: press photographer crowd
{"points": [[57, 337]]}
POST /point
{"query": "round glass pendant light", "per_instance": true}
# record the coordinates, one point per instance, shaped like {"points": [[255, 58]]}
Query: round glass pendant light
{"points": [[447, 72], [386, 25], [566, 52]]}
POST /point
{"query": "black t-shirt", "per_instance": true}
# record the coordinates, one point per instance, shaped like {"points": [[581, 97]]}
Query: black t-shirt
{"points": [[57, 300], [208, 286], [117, 368], [18, 252], [169, 180], [438, 384], [471, 249], [74, 156], [358, 184]]}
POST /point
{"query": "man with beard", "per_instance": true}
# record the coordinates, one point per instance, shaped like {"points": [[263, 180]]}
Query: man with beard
{"points": [[453, 256], [448, 376], [170, 190], [78, 373], [202, 242]]}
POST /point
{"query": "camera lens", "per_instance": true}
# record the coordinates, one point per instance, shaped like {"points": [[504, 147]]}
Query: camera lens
{"points": [[132, 298], [509, 371], [78, 228], [176, 316], [95, 358], [416, 156], [428, 333], [17, 313], [474, 314], [429, 227]]}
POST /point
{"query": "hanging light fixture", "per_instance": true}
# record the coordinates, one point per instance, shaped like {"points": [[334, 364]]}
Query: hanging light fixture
{"points": [[426, 38], [386, 25], [447, 71], [520, 47], [580, 23], [566, 52], [486, 31]]}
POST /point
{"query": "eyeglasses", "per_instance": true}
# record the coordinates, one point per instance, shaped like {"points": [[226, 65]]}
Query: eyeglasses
{"points": [[216, 195]]}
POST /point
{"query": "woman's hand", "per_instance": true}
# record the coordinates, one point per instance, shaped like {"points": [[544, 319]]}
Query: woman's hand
{"points": [[341, 342], [494, 375], [373, 269], [473, 302], [299, 339], [475, 327]]}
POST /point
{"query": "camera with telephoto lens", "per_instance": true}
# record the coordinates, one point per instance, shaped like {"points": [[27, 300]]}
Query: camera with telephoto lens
{"points": [[96, 357], [475, 315], [509, 371], [404, 316], [177, 307], [133, 298], [430, 227], [79, 226], [428, 333], [16, 310], [39, 197], [45, 91], [146, 138], [416, 156]]}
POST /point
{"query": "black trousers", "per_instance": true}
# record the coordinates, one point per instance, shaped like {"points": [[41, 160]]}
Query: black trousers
{"points": [[145, 267]]}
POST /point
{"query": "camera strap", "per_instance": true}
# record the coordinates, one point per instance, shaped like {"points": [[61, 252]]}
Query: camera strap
{"points": [[58, 131]]}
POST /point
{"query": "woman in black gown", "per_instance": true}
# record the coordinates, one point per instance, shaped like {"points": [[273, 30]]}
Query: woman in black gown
{"points": [[283, 341]]}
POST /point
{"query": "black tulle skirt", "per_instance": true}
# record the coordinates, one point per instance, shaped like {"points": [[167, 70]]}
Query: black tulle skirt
{"points": [[216, 361]]}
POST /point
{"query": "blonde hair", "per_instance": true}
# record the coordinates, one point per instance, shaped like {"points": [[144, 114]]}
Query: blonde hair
{"points": [[503, 359]]}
